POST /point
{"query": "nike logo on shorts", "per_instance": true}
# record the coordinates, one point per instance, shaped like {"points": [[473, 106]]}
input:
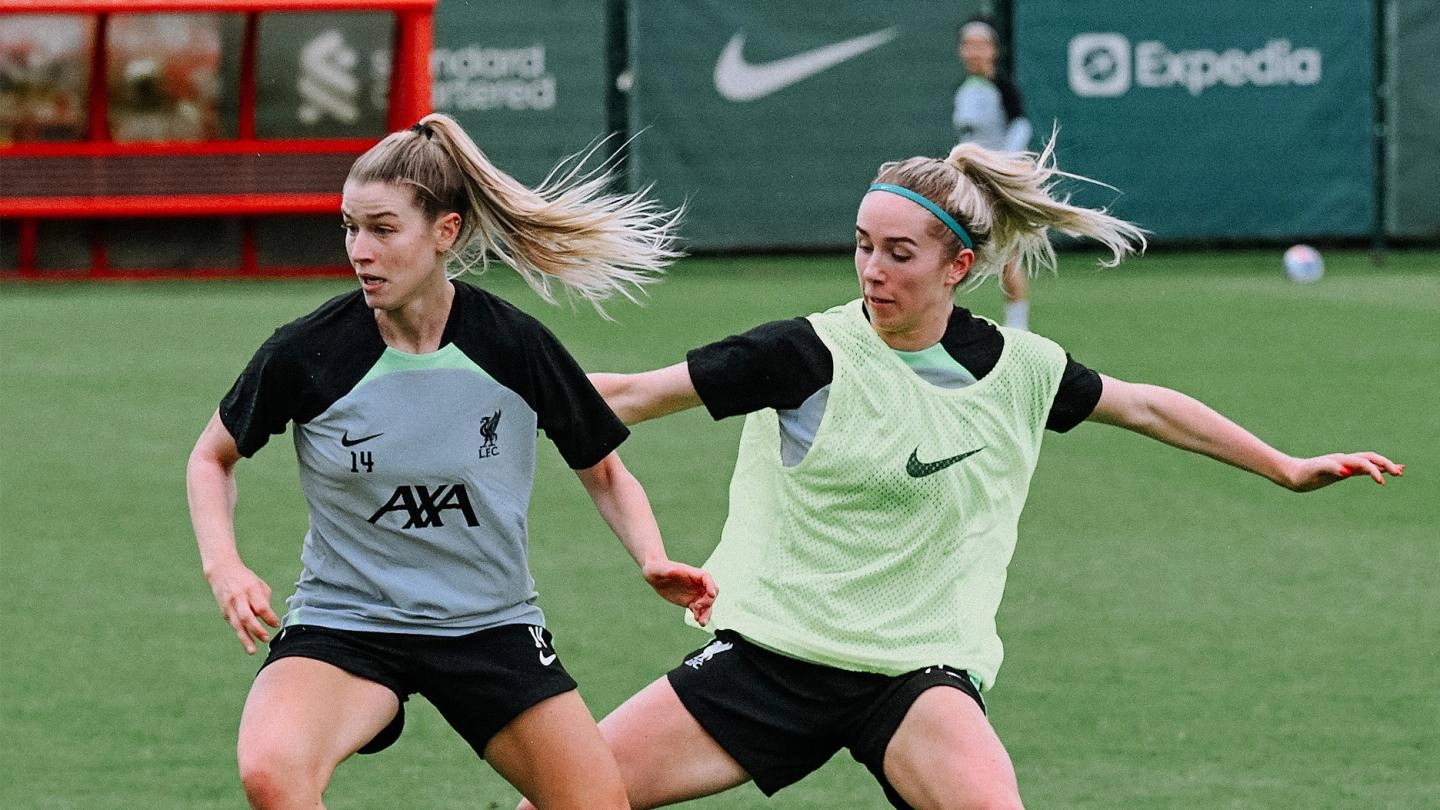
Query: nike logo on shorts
{"points": [[538, 634]]}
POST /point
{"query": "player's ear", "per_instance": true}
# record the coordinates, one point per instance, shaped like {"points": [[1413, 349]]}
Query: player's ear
{"points": [[447, 230], [960, 266]]}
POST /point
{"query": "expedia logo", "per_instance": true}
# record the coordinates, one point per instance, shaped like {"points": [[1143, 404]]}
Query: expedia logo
{"points": [[1104, 65], [1099, 64], [424, 507]]}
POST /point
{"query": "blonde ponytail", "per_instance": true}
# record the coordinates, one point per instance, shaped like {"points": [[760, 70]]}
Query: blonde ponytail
{"points": [[1007, 202], [569, 229]]}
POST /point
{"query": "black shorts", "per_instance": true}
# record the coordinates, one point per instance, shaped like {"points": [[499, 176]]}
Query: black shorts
{"points": [[782, 718], [478, 682]]}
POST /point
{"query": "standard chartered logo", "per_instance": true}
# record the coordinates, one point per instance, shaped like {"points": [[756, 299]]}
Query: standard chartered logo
{"points": [[1105, 65], [327, 83], [477, 78]]}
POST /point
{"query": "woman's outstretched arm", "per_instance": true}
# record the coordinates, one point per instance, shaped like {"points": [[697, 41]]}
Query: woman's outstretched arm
{"points": [[1189, 424]]}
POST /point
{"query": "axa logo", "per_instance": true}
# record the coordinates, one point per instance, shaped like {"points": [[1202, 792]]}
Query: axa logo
{"points": [[424, 507], [1104, 65], [489, 426]]}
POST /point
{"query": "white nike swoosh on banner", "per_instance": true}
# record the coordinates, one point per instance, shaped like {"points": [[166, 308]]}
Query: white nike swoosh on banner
{"points": [[738, 80]]}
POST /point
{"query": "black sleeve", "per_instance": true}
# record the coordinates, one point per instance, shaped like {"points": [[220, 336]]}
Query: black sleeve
{"points": [[1010, 98], [571, 412], [523, 355], [1076, 398], [301, 370], [264, 398], [775, 365]]}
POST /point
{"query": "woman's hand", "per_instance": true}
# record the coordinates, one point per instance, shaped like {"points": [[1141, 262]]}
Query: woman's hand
{"points": [[1306, 474], [683, 585], [626, 509], [244, 598], [244, 601]]}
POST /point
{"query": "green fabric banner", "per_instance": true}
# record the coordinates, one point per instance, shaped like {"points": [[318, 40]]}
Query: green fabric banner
{"points": [[1214, 120], [769, 119], [1413, 150], [528, 81]]}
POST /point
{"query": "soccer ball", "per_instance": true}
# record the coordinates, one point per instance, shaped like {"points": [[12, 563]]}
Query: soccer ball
{"points": [[1303, 264]]}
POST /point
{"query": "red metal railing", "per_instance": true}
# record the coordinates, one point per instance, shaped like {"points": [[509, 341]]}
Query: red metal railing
{"points": [[99, 178]]}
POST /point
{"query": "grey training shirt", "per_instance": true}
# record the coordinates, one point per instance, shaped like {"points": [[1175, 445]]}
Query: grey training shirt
{"points": [[417, 469]]}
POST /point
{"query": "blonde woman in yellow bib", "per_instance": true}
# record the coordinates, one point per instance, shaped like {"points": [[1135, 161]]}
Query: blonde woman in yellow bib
{"points": [[887, 453]]}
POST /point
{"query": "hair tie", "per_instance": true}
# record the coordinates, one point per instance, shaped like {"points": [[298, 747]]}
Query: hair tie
{"points": [[425, 129], [939, 212]]}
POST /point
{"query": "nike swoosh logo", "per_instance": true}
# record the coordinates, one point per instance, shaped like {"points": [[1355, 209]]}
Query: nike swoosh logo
{"points": [[346, 441], [547, 660], [919, 469], [738, 80]]}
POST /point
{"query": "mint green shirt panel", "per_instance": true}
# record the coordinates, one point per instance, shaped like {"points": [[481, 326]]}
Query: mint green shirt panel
{"points": [[849, 560], [936, 365], [448, 356]]}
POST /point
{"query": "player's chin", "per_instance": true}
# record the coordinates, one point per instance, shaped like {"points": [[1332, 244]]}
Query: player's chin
{"points": [[885, 315], [377, 294], [879, 307]]}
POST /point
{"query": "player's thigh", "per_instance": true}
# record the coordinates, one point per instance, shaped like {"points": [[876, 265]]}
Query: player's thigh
{"points": [[554, 755], [309, 715], [945, 754], [663, 753]]}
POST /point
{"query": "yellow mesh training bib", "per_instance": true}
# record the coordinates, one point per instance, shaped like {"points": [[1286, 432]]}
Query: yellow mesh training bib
{"points": [[885, 548]]}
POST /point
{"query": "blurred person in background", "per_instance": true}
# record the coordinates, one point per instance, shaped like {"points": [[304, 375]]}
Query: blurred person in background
{"points": [[989, 112], [146, 110], [886, 456], [414, 403]]}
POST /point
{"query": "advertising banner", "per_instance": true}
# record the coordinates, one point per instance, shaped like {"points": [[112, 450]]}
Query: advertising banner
{"points": [[1413, 148], [528, 81], [323, 75], [1229, 119], [768, 119]]}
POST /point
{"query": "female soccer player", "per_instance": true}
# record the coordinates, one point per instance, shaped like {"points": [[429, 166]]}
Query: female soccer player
{"points": [[881, 473], [415, 402], [988, 111]]}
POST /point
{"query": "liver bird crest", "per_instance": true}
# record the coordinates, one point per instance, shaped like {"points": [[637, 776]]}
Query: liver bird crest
{"points": [[488, 426]]}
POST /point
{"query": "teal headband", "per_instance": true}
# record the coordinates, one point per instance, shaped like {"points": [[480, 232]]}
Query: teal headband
{"points": [[929, 206]]}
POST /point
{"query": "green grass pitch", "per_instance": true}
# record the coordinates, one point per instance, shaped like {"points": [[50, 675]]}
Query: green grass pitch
{"points": [[1180, 634]]}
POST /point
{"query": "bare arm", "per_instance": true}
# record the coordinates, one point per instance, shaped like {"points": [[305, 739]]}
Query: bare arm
{"points": [[243, 597], [1185, 422], [626, 509], [648, 395]]}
